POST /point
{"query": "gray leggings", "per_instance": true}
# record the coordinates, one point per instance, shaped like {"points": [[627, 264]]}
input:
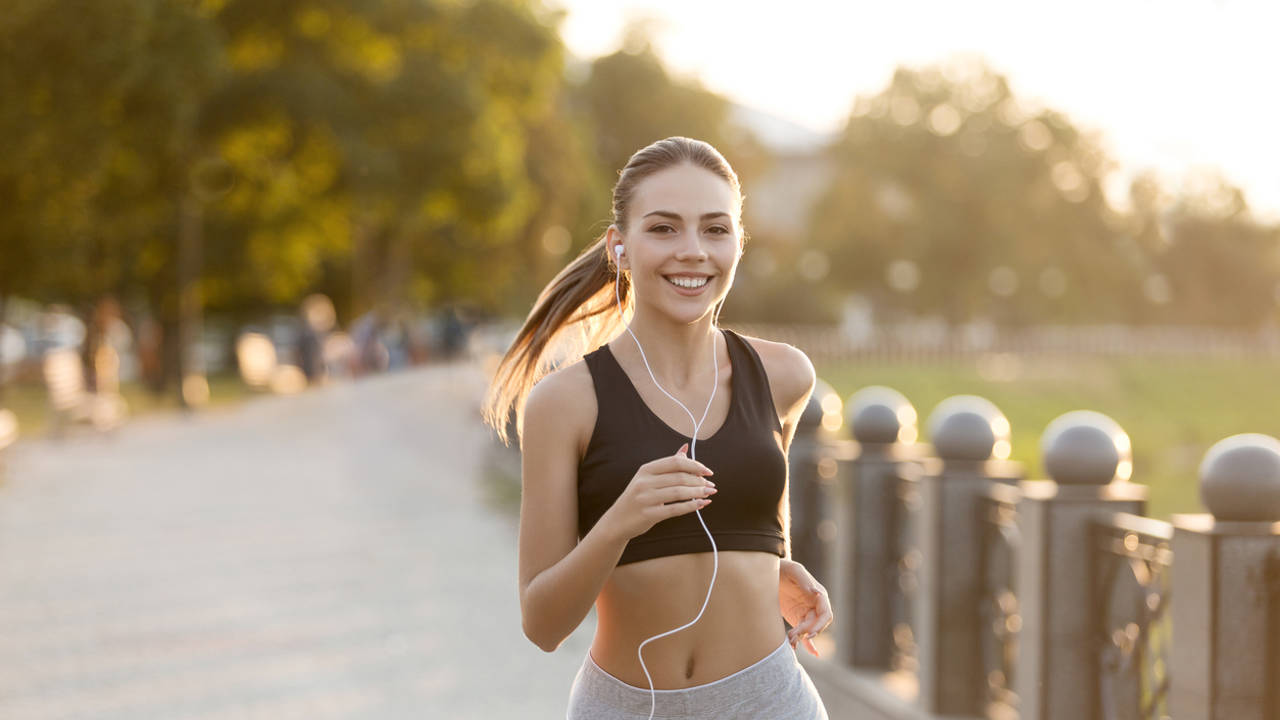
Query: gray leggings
{"points": [[775, 687]]}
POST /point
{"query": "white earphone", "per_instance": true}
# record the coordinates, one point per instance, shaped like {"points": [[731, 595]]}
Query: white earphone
{"points": [[693, 444]]}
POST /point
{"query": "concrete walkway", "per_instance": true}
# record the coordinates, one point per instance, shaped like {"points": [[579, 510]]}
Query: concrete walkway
{"points": [[330, 555]]}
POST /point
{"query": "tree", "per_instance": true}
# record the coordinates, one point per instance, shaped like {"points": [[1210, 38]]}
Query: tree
{"points": [[100, 132], [996, 204], [1215, 264], [633, 101]]}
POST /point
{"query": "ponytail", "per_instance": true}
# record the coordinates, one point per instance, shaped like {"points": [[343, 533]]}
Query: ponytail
{"points": [[575, 313]]}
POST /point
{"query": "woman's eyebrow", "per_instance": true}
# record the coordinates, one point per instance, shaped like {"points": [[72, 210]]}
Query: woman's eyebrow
{"points": [[676, 216]]}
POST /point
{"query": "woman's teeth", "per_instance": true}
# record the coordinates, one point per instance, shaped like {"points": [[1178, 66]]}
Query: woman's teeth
{"points": [[687, 282]]}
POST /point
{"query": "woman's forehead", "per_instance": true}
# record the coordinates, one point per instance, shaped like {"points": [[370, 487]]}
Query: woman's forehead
{"points": [[686, 190]]}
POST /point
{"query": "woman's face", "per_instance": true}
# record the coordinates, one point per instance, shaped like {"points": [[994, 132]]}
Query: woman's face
{"points": [[682, 241]]}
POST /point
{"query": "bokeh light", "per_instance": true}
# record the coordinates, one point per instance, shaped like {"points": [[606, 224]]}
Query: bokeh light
{"points": [[903, 275]]}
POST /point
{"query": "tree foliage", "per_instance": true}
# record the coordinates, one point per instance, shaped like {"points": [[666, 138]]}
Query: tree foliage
{"points": [[633, 101], [434, 151], [953, 197]]}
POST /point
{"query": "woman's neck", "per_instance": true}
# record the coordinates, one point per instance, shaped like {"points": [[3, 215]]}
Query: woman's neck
{"points": [[677, 353]]}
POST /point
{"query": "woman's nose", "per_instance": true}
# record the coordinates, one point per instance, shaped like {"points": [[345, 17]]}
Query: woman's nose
{"points": [[691, 247]]}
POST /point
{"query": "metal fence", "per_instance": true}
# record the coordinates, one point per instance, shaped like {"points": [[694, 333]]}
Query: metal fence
{"points": [[1133, 557], [1036, 599]]}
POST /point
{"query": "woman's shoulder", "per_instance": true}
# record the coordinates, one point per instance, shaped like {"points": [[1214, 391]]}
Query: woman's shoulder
{"points": [[791, 373], [564, 398]]}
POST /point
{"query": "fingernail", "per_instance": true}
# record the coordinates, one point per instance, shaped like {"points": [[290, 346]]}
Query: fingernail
{"points": [[708, 482], [712, 491]]}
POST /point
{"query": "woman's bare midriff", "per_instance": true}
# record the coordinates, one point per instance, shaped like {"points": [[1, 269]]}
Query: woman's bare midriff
{"points": [[741, 625]]}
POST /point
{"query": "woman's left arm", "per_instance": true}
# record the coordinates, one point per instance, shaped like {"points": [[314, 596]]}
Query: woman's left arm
{"points": [[801, 599]]}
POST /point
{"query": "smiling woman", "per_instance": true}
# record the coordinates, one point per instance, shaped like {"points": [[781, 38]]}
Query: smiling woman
{"points": [[617, 506]]}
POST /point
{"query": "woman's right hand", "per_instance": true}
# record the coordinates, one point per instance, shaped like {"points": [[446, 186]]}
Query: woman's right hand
{"points": [[661, 489]]}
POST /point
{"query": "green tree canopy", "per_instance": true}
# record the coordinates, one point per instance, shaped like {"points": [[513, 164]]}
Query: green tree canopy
{"points": [[953, 197]]}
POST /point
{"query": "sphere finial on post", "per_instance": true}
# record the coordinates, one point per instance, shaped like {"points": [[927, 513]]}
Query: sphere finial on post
{"points": [[968, 427], [881, 415], [1240, 479], [1084, 447]]}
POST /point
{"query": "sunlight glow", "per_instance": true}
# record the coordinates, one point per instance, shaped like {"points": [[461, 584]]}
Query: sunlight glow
{"points": [[944, 120], [1003, 281], [831, 404], [1034, 136], [904, 110], [1000, 426], [556, 240], [903, 275], [1070, 181], [824, 55], [813, 265], [195, 390], [1124, 470], [256, 356]]}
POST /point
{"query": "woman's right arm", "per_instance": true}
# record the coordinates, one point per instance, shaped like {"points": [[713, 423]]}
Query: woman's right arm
{"points": [[560, 577]]}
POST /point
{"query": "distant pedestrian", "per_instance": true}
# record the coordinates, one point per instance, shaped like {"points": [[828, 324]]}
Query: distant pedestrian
{"points": [[455, 333], [318, 319], [371, 354]]}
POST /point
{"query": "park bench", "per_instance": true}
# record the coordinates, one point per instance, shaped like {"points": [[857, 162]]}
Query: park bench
{"points": [[69, 399]]}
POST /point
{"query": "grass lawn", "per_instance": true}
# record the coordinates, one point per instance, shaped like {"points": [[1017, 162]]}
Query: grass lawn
{"points": [[1174, 409], [30, 402]]}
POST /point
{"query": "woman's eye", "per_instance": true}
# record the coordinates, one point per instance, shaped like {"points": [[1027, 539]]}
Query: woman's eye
{"points": [[720, 229], [661, 228]]}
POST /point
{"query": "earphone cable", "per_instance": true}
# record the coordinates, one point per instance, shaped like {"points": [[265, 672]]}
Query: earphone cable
{"points": [[697, 425]]}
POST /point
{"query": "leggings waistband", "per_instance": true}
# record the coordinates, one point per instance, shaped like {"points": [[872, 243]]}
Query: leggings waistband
{"points": [[765, 675]]}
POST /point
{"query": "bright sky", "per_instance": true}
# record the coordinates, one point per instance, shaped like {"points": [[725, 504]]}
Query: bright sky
{"points": [[1174, 85]]}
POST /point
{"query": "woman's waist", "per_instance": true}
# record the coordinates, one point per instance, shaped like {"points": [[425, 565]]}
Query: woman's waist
{"points": [[740, 625]]}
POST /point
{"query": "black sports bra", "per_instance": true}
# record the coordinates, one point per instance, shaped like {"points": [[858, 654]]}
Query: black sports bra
{"points": [[745, 454]]}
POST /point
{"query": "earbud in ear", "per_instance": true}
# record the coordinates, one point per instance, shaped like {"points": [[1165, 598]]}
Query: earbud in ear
{"points": [[617, 250]]}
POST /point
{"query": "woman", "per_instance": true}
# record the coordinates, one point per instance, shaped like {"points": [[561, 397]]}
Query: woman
{"points": [[620, 507]]}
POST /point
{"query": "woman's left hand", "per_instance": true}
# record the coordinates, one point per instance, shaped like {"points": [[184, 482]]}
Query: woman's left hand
{"points": [[803, 602]]}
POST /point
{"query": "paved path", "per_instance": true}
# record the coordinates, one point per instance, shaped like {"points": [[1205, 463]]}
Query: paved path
{"points": [[329, 555]]}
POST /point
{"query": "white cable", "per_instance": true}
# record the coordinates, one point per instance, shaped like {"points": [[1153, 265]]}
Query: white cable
{"points": [[697, 424]]}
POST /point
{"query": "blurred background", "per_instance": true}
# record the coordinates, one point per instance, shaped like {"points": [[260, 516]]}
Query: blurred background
{"points": [[224, 203], [207, 198]]}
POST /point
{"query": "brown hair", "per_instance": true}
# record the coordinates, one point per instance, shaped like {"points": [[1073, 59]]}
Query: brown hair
{"points": [[581, 297]]}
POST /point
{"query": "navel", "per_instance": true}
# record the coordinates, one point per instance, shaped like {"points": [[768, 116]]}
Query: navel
{"points": [[688, 669]]}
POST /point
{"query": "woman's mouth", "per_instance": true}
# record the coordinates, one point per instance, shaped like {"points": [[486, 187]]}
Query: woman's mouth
{"points": [[688, 284]]}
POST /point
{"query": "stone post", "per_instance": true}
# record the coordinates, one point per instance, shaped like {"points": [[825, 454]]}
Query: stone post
{"points": [[884, 425], [1226, 647], [812, 471], [971, 439], [1088, 457]]}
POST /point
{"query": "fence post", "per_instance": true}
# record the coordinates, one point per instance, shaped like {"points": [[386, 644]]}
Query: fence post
{"points": [[812, 474], [1088, 458], [1226, 630], [883, 422], [971, 439]]}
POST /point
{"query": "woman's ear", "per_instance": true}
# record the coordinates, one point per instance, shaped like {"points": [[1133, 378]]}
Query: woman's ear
{"points": [[615, 247]]}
